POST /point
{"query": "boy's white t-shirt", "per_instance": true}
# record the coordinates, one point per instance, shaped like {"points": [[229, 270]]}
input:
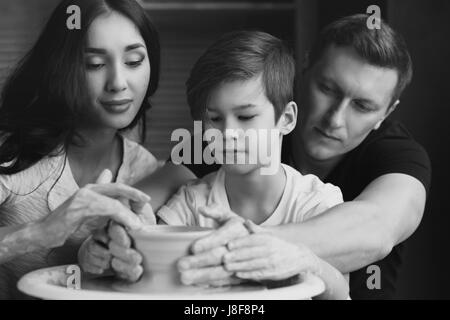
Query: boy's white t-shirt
{"points": [[304, 197]]}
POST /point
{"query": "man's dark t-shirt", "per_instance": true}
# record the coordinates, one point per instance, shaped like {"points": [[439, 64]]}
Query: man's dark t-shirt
{"points": [[390, 149]]}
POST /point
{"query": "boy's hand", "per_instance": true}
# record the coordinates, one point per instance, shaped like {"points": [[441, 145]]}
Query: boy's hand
{"points": [[126, 261], [93, 255]]}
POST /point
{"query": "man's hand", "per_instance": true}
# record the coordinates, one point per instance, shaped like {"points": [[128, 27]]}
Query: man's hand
{"points": [[262, 256], [205, 266]]}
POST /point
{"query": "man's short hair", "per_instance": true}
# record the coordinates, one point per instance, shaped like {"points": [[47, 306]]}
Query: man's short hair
{"points": [[238, 56], [379, 47]]}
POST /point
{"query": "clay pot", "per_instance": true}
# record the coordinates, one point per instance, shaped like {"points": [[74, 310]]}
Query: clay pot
{"points": [[161, 247]]}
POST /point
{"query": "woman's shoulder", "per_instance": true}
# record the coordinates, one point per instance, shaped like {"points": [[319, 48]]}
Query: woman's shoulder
{"points": [[138, 162], [32, 177]]}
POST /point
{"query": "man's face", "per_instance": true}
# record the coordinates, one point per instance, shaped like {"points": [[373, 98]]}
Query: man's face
{"points": [[343, 99]]}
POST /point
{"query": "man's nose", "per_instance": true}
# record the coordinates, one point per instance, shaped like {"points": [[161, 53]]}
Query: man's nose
{"points": [[335, 117], [116, 80]]}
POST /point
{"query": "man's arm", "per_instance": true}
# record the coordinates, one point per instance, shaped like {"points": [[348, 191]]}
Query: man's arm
{"points": [[356, 233]]}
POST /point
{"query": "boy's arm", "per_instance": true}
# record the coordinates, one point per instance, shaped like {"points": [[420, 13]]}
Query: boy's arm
{"points": [[164, 182]]}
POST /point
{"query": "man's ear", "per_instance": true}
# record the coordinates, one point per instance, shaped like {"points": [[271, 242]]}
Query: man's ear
{"points": [[388, 112], [288, 118]]}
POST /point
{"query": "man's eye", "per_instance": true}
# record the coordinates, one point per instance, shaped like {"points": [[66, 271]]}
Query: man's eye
{"points": [[134, 63], [246, 118], [325, 88], [362, 107]]}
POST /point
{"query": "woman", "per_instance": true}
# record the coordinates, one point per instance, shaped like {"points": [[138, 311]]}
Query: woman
{"points": [[61, 116]]}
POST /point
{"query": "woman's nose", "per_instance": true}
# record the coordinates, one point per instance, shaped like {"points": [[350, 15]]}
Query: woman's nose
{"points": [[116, 80]]}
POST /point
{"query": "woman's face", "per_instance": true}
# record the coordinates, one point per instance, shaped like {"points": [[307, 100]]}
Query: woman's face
{"points": [[117, 70]]}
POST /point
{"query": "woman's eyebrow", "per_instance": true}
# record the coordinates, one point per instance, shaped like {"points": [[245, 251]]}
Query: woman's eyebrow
{"points": [[103, 51], [95, 50], [134, 46]]}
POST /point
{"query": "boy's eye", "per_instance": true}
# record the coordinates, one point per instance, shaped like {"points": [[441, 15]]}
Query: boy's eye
{"points": [[214, 119], [246, 118]]}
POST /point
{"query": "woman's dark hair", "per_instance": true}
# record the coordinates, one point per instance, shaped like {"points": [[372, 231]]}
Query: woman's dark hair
{"points": [[43, 98]]}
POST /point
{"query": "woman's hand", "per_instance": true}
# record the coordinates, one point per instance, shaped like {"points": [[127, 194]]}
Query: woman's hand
{"points": [[91, 207]]}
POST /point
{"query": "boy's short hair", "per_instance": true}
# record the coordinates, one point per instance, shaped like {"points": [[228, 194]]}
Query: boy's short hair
{"points": [[379, 47], [242, 55]]}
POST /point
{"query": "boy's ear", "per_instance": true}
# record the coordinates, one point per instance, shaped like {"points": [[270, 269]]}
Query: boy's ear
{"points": [[288, 118]]}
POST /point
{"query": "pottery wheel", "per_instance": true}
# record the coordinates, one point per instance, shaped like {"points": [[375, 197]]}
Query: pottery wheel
{"points": [[51, 283]]}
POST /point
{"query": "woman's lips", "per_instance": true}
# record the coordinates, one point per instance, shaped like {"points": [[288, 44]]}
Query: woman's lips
{"points": [[116, 106]]}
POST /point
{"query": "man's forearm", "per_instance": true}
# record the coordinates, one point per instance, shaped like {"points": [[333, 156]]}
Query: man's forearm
{"points": [[348, 236]]}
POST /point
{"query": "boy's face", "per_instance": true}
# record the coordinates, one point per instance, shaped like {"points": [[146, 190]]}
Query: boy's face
{"points": [[240, 106]]}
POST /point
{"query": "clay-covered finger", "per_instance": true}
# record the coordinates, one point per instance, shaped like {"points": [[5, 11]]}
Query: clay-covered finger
{"points": [[249, 265], [126, 271], [127, 255], [245, 254], [98, 262], [100, 205], [119, 235], [204, 275], [101, 236], [204, 259], [232, 229], [98, 250], [253, 240], [93, 269], [119, 190]]}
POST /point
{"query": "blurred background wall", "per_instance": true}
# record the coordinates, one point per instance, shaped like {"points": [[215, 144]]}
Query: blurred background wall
{"points": [[188, 27]]}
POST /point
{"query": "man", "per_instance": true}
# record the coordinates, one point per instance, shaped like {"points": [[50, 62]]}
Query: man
{"points": [[351, 84]]}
